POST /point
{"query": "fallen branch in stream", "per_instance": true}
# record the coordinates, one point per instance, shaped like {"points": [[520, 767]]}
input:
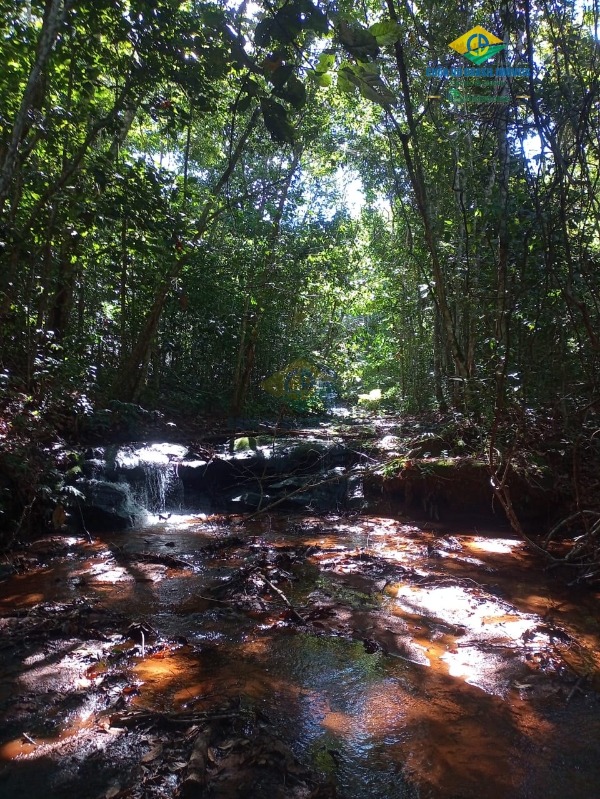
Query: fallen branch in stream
{"points": [[195, 780], [161, 560], [300, 619], [137, 718], [302, 489]]}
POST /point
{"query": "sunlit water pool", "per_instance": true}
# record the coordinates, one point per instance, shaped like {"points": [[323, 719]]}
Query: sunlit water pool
{"points": [[430, 665]]}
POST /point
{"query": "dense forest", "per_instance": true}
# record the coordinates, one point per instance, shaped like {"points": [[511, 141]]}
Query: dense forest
{"points": [[195, 194], [279, 279]]}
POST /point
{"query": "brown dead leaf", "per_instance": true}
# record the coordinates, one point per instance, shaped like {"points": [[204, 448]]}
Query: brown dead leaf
{"points": [[59, 517], [153, 754], [162, 653]]}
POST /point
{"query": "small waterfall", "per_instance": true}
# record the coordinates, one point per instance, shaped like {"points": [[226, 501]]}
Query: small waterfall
{"points": [[153, 471]]}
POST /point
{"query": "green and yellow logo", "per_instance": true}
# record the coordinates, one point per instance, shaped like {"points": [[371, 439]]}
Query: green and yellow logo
{"points": [[295, 382], [478, 45]]}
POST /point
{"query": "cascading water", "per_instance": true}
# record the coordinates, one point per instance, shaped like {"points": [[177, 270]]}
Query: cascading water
{"points": [[154, 473], [124, 486]]}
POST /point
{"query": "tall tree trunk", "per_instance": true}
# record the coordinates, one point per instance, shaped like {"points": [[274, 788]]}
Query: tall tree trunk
{"points": [[416, 173], [132, 374], [250, 326], [438, 375], [502, 288], [33, 94], [60, 310]]}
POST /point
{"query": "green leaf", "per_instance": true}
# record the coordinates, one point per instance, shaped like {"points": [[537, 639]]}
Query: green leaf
{"points": [[323, 79], [244, 104], [359, 42], [287, 23], [281, 75], [366, 78], [316, 20], [325, 62], [276, 121], [251, 86], [263, 34], [294, 92], [345, 80], [386, 32]]}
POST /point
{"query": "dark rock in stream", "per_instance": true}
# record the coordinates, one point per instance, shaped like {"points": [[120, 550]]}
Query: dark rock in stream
{"points": [[108, 506]]}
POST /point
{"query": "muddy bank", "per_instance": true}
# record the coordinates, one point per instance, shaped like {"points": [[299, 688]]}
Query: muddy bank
{"points": [[303, 656]]}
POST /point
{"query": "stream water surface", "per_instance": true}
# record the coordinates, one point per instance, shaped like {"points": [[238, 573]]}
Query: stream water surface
{"points": [[394, 659]]}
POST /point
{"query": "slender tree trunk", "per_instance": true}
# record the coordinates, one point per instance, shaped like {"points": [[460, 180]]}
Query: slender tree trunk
{"points": [[410, 148], [438, 375], [502, 288], [250, 327], [123, 288], [33, 95], [132, 374]]}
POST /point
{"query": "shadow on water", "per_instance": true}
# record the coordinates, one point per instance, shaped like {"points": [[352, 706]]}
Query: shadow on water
{"points": [[429, 664]]}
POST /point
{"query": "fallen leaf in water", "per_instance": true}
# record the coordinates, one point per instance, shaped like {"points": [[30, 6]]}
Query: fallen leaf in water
{"points": [[101, 667], [227, 744], [152, 754], [161, 654]]}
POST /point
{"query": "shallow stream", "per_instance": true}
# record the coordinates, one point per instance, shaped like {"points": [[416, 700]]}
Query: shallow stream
{"points": [[394, 659]]}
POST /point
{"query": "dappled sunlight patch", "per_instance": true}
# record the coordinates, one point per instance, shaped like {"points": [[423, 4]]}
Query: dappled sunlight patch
{"points": [[342, 724], [29, 589], [177, 521], [475, 667], [109, 573], [493, 643], [163, 669], [382, 711], [504, 546], [28, 747]]}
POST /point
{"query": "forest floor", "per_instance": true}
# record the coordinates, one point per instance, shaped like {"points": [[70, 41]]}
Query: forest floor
{"points": [[356, 655]]}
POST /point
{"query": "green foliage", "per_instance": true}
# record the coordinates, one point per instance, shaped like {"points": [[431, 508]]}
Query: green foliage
{"points": [[125, 207], [386, 32]]}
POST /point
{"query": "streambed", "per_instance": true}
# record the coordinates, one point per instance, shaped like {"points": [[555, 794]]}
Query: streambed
{"points": [[357, 656]]}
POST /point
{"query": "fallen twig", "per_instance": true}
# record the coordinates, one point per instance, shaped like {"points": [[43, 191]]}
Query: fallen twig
{"points": [[302, 489], [136, 718], [300, 619], [195, 779], [576, 688]]}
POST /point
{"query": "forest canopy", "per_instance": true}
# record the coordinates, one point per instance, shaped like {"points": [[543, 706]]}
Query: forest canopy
{"points": [[175, 229]]}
